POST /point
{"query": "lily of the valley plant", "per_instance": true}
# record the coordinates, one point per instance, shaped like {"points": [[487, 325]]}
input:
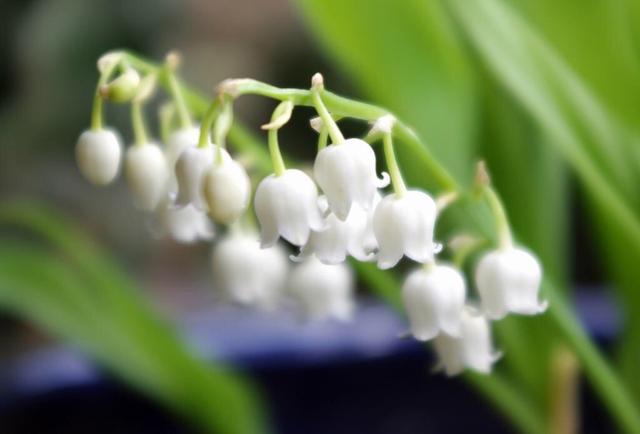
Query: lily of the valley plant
{"points": [[341, 208]]}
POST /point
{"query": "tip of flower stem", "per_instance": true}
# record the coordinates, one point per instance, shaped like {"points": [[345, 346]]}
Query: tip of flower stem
{"points": [[230, 86], [109, 60], [482, 178], [172, 60], [104, 91], [317, 81], [316, 124], [384, 124]]}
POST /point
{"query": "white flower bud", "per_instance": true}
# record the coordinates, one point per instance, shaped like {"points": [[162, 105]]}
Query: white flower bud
{"points": [[98, 156], [287, 206], [354, 236], [146, 173], [508, 280], [248, 274], [185, 225], [403, 225], [434, 298], [227, 190], [346, 173], [472, 349], [177, 142], [190, 170], [323, 291]]}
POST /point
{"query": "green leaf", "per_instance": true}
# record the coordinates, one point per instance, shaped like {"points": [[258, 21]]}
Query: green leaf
{"points": [[406, 56], [84, 298]]}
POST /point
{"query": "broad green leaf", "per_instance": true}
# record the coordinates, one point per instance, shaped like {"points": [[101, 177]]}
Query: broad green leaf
{"points": [[84, 298]]}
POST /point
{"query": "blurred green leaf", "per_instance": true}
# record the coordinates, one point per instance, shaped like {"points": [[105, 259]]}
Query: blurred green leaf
{"points": [[84, 298], [406, 56], [546, 104], [592, 141]]}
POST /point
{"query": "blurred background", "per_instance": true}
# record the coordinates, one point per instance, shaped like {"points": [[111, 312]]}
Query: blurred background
{"points": [[546, 91]]}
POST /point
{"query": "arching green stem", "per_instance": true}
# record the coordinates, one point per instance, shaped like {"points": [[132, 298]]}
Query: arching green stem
{"points": [[327, 120], [98, 102], [221, 128], [322, 138], [392, 165], [207, 122], [272, 138], [137, 121], [178, 97], [505, 239]]}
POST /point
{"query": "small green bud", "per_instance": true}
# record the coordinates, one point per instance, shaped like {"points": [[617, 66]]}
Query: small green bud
{"points": [[123, 88]]}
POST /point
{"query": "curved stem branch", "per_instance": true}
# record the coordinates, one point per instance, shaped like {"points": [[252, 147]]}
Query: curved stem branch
{"points": [[399, 187]]}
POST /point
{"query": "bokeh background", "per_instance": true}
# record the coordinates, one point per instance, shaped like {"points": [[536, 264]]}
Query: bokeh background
{"points": [[546, 91]]}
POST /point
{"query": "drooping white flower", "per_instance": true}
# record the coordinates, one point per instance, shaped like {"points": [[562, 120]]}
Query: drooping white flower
{"points": [[353, 236], [227, 190], [403, 225], [287, 206], [434, 298], [146, 173], [346, 173], [248, 274], [98, 155], [323, 291], [508, 280], [177, 142], [190, 170], [472, 349], [185, 225]]}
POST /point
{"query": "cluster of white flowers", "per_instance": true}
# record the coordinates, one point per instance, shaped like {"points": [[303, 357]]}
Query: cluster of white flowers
{"points": [[339, 210]]}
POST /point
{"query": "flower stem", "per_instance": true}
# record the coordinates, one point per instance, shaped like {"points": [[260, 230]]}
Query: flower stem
{"points": [[137, 121], [207, 122], [221, 128], [272, 138], [322, 138], [178, 97], [327, 120], [392, 165], [505, 239], [98, 102]]}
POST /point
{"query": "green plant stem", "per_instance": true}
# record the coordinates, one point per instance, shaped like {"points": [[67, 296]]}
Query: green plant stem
{"points": [[166, 115], [137, 122], [98, 102], [327, 120], [338, 105], [178, 97], [505, 239], [207, 122], [399, 187], [322, 138], [272, 138]]}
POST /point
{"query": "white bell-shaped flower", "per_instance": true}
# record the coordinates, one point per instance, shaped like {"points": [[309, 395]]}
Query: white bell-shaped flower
{"points": [[147, 174], [185, 225], [403, 225], [98, 155], [287, 206], [323, 291], [177, 142], [508, 280], [346, 173], [353, 236], [434, 299], [248, 274], [190, 170], [227, 190], [471, 349]]}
